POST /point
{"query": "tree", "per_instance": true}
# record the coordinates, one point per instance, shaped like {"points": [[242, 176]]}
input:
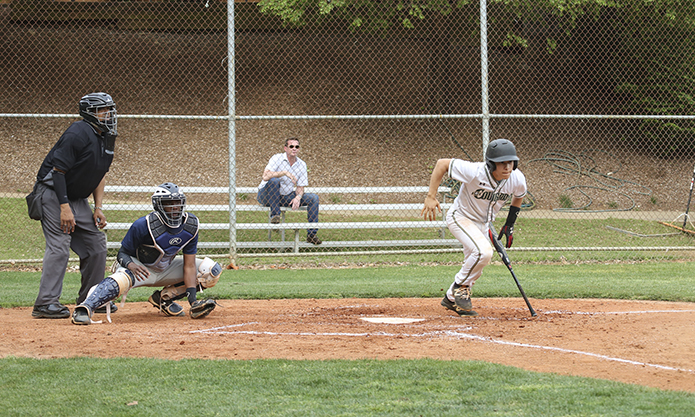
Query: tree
{"points": [[652, 54]]}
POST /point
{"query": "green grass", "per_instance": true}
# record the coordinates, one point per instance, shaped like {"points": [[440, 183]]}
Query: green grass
{"points": [[24, 239], [147, 387], [668, 281]]}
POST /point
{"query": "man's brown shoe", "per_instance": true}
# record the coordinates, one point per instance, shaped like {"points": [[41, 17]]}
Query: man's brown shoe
{"points": [[313, 239]]}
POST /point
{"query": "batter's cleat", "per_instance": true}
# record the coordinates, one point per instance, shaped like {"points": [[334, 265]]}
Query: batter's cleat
{"points": [[446, 303], [462, 297], [102, 309], [81, 315], [51, 311], [450, 305], [168, 307]]}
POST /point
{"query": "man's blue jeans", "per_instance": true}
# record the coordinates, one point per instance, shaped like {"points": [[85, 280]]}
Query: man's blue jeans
{"points": [[269, 196]]}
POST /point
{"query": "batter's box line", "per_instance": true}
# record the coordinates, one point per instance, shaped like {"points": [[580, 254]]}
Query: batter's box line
{"points": [[594, 313], [218, 330], [576, 352], [214, 329], [221, 330]]}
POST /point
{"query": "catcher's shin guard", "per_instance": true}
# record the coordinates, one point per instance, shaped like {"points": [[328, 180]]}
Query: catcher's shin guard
{"points": [[100, 294]]}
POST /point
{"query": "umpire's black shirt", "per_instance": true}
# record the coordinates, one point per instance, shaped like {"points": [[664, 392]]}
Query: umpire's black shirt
{"points": [[80, 153]]}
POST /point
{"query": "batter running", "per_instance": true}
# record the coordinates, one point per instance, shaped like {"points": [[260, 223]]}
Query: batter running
{"points": [[485, 188]]}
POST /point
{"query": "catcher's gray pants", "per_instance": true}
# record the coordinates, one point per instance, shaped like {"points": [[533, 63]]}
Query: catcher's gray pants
{"points": [[87, 241], [172, 275]]}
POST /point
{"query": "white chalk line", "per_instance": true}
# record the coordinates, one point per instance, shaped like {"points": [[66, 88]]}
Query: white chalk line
{"points": [[557, 349], [594, 313], [450, 333]]}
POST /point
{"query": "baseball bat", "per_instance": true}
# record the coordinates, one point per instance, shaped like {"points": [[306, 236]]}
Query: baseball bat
{"points": [[687, 209], [505, 259]]}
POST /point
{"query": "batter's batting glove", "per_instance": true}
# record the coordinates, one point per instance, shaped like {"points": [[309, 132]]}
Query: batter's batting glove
{"points": [[508, 228], [508, 232]]}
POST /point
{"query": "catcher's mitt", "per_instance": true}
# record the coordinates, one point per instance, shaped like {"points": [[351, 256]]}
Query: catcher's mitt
{"points": [[202, 308]]}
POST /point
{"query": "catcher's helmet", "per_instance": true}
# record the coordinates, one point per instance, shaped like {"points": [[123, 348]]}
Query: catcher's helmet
{"points": [[89, 109], [500, 150], [170, 204]]}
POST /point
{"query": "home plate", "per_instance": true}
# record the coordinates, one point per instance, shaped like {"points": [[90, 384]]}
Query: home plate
{"points": [[391, 320]]}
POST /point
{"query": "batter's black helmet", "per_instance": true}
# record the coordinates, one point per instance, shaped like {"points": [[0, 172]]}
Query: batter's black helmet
{"points": [[500, 150], [89, 109], [170, 203]]}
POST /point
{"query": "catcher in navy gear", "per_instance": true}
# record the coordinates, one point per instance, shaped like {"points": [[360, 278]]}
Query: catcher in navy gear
{"points": [[148, 258]]}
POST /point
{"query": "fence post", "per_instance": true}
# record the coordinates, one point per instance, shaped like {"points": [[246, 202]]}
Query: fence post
{"points": [[231, 131]]}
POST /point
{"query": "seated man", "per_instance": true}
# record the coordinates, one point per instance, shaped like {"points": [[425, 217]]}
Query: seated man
{"points": [[147, 258], [284, 179]]}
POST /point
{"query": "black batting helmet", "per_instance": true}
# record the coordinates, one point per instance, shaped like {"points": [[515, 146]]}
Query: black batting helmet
{"points": [[500, 150]]}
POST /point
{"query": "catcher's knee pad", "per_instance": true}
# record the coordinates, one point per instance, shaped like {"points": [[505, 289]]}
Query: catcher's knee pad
{"points": [[209, 273], [124, 279]]}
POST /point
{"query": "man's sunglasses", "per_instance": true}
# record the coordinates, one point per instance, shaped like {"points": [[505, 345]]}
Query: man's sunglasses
{"points": [[293, 146]]}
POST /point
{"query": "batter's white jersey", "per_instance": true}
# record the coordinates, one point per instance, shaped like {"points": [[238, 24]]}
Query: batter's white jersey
{"points": [[480, 196]]}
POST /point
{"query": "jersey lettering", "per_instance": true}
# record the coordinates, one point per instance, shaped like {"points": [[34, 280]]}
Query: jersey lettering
{"points": [[481, 194]]}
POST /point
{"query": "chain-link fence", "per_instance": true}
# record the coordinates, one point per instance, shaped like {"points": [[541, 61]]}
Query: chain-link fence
{"points": [[598, 101]]}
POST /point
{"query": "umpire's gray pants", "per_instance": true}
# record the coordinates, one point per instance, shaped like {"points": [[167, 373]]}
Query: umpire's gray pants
{"points": [[87, 241]]}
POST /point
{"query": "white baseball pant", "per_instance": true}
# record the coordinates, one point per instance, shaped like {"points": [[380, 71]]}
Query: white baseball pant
{"points": [[477, 249]]}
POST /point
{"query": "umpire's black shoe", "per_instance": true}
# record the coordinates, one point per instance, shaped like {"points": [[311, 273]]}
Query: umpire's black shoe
{"points": [[102, 309], [51, 311]]}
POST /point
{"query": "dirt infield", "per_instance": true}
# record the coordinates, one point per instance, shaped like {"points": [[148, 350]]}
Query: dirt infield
{"points": [[638, 342]]}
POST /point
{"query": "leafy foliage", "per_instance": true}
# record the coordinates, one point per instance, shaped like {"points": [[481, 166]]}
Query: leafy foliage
{"points": [[639, 49]]}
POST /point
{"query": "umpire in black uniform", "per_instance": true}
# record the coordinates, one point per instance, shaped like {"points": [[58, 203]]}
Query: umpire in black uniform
{"points": [[73, 169]]}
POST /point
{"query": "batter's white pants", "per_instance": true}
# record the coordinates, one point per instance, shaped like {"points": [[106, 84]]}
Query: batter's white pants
{"points": [[477, 249]]}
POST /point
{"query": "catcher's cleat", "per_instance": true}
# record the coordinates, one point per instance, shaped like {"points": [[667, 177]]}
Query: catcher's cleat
{"points": [[102, 309], [452, 306], [168, 307], [81, 315]]}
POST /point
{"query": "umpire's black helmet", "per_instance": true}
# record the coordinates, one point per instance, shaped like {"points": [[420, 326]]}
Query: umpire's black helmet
{"points": [[500, 150], [89, 109]]}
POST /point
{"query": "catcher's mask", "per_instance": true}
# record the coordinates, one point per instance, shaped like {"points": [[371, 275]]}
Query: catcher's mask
{"points": [[500, 150], [170, 203]]}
